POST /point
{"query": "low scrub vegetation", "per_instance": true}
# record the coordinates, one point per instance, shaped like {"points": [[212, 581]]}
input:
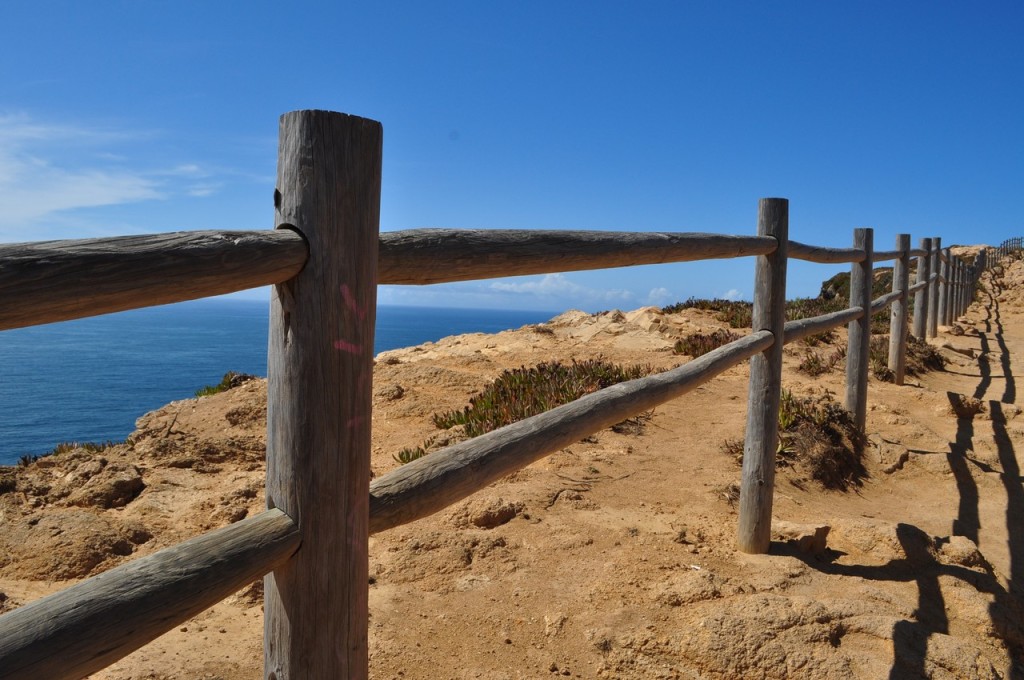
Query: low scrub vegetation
{"points": [[523, 392], [818, 435], [231, 379], [65, 447], [699, 344], [736, 313], [817, 439]]}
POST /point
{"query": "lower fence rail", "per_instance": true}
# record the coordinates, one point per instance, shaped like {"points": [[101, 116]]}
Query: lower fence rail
{"points": [[87, 627]]}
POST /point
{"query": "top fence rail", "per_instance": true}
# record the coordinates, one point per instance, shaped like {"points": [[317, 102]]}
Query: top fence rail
{"points": [[53, 281]]}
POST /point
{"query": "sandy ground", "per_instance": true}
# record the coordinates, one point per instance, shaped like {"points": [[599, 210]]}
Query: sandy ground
{"points": [[614, 557]]}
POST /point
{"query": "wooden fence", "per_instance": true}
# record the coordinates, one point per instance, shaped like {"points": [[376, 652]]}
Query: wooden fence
{"points": [[325, 259]]}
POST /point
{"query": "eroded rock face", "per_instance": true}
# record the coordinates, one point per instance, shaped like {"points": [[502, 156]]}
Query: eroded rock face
{"points": [[113, 487], [69, 543]]}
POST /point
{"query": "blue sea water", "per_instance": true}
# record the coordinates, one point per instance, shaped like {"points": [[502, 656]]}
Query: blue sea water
{"points": [[89, 379]]}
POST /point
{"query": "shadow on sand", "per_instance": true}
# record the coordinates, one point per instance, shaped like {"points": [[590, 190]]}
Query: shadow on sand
{"points": [[910, 637]]}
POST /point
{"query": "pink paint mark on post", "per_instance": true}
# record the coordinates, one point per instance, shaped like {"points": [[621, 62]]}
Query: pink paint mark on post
{"points": [[349, 347], [350, 302]]}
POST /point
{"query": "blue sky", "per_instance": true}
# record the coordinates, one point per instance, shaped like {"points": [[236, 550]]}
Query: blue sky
{"points": [[135, 117]]}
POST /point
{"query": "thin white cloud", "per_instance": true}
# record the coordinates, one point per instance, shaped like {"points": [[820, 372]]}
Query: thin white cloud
{"points": [[659, 296], [732, 294], [48, 171], [204, 189], [560, 286], [31, 189]]}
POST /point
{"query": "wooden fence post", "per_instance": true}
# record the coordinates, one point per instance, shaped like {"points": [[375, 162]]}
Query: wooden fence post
{"points": [[898, 313], [958, 276], [933, 288], [960, 267], [921, 296], [859, 331], [754, 531], [319, 396], [943, 312]]}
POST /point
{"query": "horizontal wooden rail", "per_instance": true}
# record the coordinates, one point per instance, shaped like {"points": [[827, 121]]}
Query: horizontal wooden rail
{"points": [[883, 255], [434, 482], [822, 255], [917, 286], [425, 256], [881, 303], [52, 281], [92, 624], [917, 252], [802, 328]]}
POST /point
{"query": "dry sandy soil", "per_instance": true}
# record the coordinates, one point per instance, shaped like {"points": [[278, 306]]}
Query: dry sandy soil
{"points": [[614, 557]]}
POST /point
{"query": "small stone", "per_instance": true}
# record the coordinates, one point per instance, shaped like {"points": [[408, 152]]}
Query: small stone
{"points": [[808, 538]]}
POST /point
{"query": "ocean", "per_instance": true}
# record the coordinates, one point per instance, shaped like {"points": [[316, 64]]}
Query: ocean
{"points": [[88, 380]]}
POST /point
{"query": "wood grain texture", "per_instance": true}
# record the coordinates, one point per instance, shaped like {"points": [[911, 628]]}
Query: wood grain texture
{"points": [[944, 288], [885, 255], [426, 256], [881, 303], [757, 485], [434, 482], [92, 624], [52, 281], [859, 331], [921, 294], [802, 251], [899, 312], [954, 289], [933, 289], [320, 365], [802, 328]]}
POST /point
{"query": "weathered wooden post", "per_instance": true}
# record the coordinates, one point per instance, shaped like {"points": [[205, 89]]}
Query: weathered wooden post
{"points": [[934, 266], [859, 330], [933, 288], [754, 533], [921, 297], [972, 282], [319, 396], [898, 310], [961, 287], [943, 312]]}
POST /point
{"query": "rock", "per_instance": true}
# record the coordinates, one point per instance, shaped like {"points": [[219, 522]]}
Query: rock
{"points": [[390, 392], [898, 464], [7, 603], [487, 514], [114, 486], [808, 538], [69, 543], [553, 623], [962, 551]]}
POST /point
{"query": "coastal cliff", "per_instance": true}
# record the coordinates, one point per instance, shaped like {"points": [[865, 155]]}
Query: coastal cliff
{"points": [[614, 557]]}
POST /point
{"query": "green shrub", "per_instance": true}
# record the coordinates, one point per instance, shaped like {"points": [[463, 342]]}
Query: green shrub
{"points": [[737, 314], [65, 447], [523, 392], [231, 379], [878, 358], [922, 357], [699, 344], [818, 435], [812, 364], [409, 454]]}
